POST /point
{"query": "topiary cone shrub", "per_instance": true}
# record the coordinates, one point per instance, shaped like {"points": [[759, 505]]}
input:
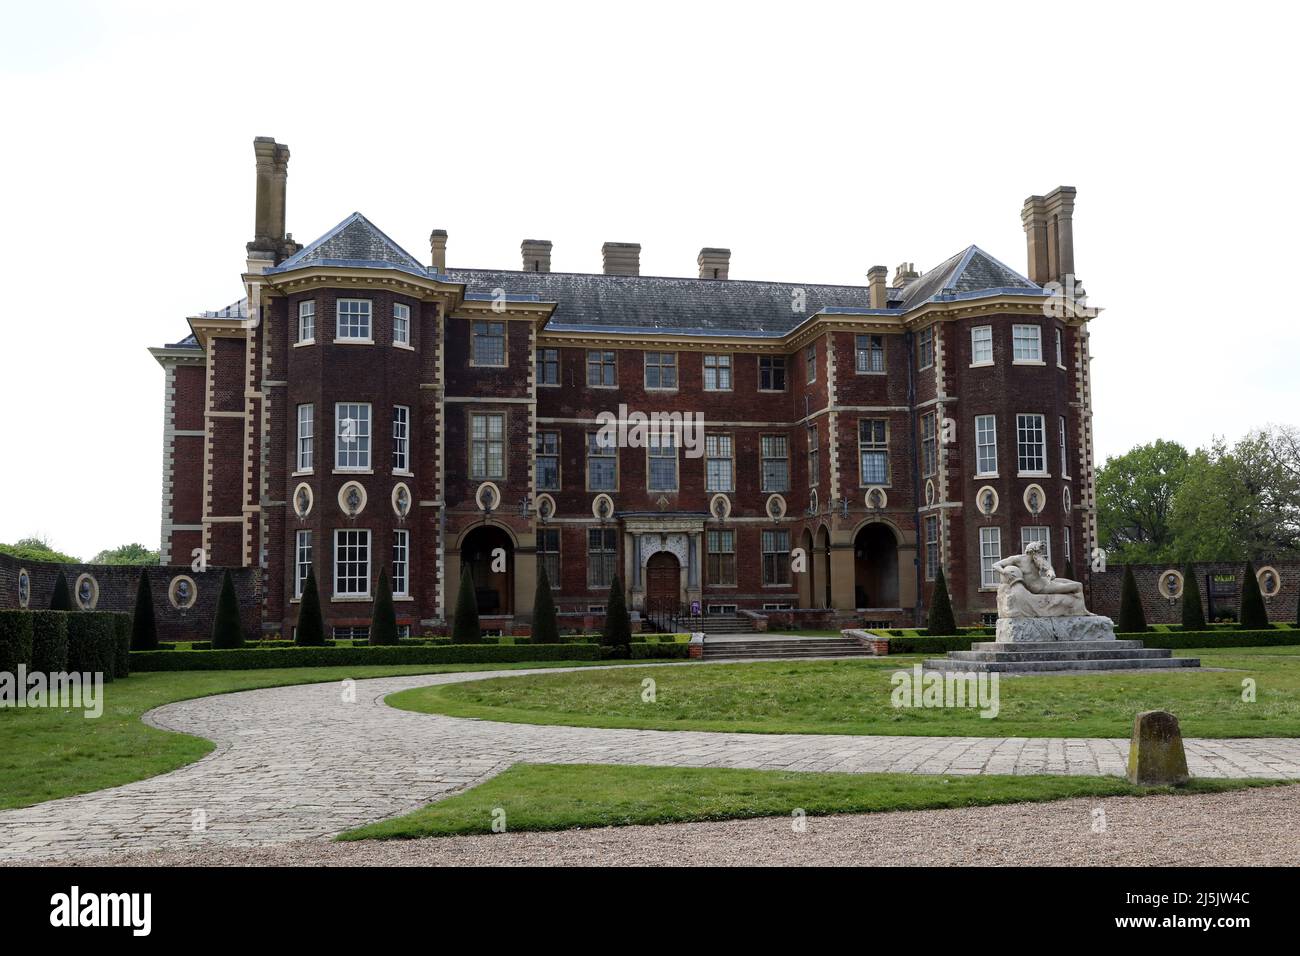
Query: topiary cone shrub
{"points": [[311, 624], [1254, 616], [227, 629], [617, 634], [383, 621], [1069, 570], [144, 628], [465, 628], [941, 622], [545, 628], [1132, 619], [1193, 616], [61, 599]]}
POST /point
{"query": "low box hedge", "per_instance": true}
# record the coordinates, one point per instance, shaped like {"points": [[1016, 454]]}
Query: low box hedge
{"points": [[92, 642], [262, 658], [122, 651], [49, 641], [1173, 640], [667, 650], [15, 641]]}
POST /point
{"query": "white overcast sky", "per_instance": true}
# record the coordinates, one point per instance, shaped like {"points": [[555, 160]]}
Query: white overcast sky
{"points": [[813, 140]]}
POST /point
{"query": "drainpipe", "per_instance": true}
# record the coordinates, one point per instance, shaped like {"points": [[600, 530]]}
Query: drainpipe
{"points": [[916, 474]]}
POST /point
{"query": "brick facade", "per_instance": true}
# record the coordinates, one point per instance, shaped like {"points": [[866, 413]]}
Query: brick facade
{"points": [[1104, 590]]}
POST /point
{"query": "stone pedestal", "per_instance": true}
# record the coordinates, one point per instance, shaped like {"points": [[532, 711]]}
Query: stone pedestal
{"points": [[1037, 630]]}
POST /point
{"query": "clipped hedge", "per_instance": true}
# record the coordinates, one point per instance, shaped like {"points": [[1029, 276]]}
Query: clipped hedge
{"points": [[49, 641], [668, 650], [931, 645], [1173, 640], [122, 652], [15, 641], [92, 642], [261, 658]]}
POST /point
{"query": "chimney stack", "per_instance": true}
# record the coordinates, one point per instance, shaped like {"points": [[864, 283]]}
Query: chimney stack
{"points": [[621, 258], [1049, 235], [537, 255], [438, 250], [904, 274], [269, 238], [714, 263], [877, 292]]}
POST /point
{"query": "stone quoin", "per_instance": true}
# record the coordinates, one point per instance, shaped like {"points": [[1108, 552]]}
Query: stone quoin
{"points": [[357, 410]]}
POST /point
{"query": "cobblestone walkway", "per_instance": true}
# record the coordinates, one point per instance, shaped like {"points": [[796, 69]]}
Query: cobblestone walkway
{"points": [[296, 763]]}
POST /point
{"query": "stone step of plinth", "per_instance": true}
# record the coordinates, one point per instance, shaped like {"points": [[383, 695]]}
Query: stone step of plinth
{"points": [[1091, 654], [1053, 645], [1034, 667]]}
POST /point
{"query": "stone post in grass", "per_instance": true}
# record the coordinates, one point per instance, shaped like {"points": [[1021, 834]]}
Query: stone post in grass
{"points": [[1155, 754]]}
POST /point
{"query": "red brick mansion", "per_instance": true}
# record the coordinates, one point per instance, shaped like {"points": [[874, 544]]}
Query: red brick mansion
{"points": [[359, 409]]}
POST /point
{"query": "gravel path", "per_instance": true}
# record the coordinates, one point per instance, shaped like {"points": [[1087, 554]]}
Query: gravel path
{"points": [[1242, 828], [303, 763]]}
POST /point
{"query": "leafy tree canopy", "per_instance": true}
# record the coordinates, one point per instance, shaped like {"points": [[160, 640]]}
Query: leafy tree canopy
{"points": [[36, 549], [136, 554]]}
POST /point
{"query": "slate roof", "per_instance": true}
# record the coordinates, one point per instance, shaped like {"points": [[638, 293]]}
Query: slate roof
{"points": [[594, 302], [356, 242]]}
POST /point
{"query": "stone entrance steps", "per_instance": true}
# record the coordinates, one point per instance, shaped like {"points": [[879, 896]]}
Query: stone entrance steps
{"points": [[725, 624], [1029, 657], [793, 647]]}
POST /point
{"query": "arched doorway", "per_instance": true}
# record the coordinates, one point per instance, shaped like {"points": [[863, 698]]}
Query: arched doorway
{"points": [[824, 559], [490, 555], [875, 566], [663, 582]]}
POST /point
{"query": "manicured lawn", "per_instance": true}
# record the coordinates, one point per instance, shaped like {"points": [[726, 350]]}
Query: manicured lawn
{"points": [[49, 753], [564, 796], [853, 697]]}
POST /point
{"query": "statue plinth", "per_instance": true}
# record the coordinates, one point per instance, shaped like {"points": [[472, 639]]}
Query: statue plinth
{"points": [[1065, 627]]}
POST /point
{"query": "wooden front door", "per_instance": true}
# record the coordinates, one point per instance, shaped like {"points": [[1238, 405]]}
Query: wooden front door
{"points": [[663, 579]]}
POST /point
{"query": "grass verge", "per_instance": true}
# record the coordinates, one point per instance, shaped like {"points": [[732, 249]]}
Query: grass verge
{"points": [[569, 796]]}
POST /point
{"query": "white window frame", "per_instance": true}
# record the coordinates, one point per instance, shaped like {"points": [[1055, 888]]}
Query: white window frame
{"points": [[1037, 532], [601, 452], [720, 365], [307, 322], [306, 439], [1065, 540], [542, 452], [605, 364], [720, 544], [1062, 428], [488, 470], [1060, 349], [719, 450], [401, 563], [990, 554], [547, 358], [356, 459], [775, 364], [981, 346], [1025, 424], [547, 555], [358, 565], [401, 439], [664, 365], [605, 557], [925, 348], [301, 561], [1027, 345], [352, 317], [779, 566], [401, 325], [810, 363], [657, 448], [767, 453], [814, 456], [486, 330], [932, 554], [929, 444], [986, 445], [864, 357], [870, 446]]}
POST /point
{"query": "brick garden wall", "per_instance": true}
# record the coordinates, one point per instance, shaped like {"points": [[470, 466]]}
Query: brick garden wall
{"points": [[1104, 591], [117, 588]]}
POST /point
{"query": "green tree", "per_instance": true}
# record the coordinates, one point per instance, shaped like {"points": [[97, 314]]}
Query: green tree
{"points": [[1193, 614], [127, 554], [37, 549], [1135, 493], [617, 634], [144, 628], [941, 622], [227, 628], [1132, 619], [465, 627], [61, 598], [1254, 616], [311, 623], [383, 620], [1069, 570], [545, 628]]}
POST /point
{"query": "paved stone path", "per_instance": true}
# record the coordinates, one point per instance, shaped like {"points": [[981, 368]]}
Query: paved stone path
{"points": [[295, 763]]}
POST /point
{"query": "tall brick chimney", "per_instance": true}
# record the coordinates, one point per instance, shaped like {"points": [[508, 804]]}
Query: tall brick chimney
{"points": [[904, 274], [877, 292], [621, 258], [536, 254], [1049, 234], [713, 263], [270, 241], [438, 249]]}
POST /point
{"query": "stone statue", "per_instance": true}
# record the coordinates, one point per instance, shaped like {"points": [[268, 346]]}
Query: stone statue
{"points": [[1035, 605], [1030, 588]]}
